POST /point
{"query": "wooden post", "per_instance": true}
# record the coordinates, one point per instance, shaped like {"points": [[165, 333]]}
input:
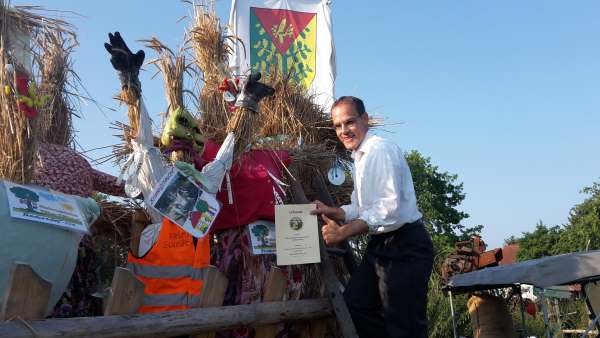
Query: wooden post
{"points": [[126, 293], [274, 291], [213, 293], [325, 197], [26, 295], [332, 284], [171, 323]]}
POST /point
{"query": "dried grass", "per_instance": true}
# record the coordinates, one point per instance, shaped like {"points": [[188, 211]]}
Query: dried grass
{"points": [[56, 124], [19, 135], [114, 222], [209, 42], [173, 67]]}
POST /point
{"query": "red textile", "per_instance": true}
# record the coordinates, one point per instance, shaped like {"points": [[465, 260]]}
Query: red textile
{"points": [[23, 89], [252, 187]]}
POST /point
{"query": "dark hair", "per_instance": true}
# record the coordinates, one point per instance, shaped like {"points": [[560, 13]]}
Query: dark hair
{"points": [[359, 106]]}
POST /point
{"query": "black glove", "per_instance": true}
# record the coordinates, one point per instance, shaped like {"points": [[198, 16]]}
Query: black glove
{"points": [[252, 92], [124, 61]]}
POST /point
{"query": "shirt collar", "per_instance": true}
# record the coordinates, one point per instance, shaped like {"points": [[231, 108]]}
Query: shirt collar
{"points": [[364, 146]]}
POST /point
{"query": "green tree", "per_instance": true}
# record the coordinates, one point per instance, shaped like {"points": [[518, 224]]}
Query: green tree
{"points": [[438, 196], [582, 232], [26, 196], [539, 243], [261, 232]]}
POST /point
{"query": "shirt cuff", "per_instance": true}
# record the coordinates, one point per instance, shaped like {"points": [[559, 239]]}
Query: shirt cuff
{"points": [[350, 212]]}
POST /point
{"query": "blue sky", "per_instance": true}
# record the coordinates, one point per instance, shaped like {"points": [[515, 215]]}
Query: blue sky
{"points": [[503, 93]]}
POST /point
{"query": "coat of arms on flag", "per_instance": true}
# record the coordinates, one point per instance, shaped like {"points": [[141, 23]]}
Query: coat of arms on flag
{"points": [[286, 40], [291, 38]]}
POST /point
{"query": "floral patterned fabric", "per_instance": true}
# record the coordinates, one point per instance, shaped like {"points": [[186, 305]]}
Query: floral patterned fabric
{"points": [[63, 169]]}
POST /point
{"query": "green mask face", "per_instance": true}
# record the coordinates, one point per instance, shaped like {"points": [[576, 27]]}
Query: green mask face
{"points": [[182, 125]]}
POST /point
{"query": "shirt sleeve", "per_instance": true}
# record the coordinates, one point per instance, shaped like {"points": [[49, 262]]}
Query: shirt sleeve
{"points": [[381, 181], [351, 210]]}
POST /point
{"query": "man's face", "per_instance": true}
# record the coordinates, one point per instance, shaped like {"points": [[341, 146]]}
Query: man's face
{"points": [[349, 127]]}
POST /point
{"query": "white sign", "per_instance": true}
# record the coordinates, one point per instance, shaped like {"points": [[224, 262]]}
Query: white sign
{"points": [[44, 206], [297, 233], [183, 202]]}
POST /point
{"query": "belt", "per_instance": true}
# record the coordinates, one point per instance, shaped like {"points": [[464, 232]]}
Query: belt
{"points": [[404, 227]]}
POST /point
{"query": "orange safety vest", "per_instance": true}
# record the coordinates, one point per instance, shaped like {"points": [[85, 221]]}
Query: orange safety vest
{"points": [[172, 270]]}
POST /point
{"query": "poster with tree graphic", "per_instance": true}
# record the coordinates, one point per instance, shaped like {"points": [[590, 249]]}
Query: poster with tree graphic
{"points": [[262, 237], [293, 38], [40, 205]]}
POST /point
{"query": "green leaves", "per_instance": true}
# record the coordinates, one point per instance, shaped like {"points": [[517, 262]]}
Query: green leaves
{"points": [[438, 196], [582, 232]]}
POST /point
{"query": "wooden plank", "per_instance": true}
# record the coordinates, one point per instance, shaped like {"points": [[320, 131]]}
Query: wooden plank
{"points": [[26, 295], [332, 284], [173, 323], [213, 293], [274, 291], [318, 328], [126, 293], [213, 290]]}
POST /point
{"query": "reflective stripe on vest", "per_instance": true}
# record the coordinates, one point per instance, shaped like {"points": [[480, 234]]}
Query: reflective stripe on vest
{"points": [[152, 271], [171, 300]]}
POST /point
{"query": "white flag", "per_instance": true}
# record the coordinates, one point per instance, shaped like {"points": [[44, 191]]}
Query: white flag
{"points": [[293, 35]]}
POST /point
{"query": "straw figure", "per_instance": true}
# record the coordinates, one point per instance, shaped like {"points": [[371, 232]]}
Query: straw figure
{"points": [[38, 104]]}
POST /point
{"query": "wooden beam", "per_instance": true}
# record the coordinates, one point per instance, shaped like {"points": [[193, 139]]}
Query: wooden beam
{"points": [[26, 295], [126, 293], [332, 284], [173, 323]]}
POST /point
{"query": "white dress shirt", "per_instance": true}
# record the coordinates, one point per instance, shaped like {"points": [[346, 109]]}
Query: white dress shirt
{"points": [[384, 195]]}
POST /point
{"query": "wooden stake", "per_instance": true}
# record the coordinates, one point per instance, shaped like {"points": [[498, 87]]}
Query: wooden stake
{"points": [[126, 293], [26, 295], [274, 291]]}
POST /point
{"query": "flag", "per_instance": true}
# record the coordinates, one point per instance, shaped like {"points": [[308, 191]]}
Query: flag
{"points": [[291, 36]]}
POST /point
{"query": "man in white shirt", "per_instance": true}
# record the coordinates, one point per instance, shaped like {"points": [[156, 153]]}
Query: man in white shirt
{"points": [[387, 294]]}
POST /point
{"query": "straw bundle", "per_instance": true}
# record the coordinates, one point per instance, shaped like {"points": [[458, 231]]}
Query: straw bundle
{"points": [[172, 66], [131, 98], [115, 220], [209, 42], [56, 125], [18, 134]]}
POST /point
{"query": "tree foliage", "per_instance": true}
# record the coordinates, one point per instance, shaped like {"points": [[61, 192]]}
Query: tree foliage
{"points": [[582, 231], [438, 196], [539, 243]]}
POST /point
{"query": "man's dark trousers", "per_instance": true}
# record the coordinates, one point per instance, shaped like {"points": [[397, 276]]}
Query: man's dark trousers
{"points": [[387, 294]]}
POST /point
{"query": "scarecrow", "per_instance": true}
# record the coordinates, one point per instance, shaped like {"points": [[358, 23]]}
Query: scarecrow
{"points": [[182, 144], [37, 112]]}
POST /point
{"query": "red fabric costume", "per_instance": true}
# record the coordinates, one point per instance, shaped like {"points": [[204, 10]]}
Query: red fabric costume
{"points": [[252, 187]]}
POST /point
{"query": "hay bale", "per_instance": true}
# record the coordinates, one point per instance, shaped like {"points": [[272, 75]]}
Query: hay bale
{"points": [[490, 317]]}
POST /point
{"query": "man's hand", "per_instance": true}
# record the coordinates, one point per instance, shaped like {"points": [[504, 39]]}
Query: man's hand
{"points": [[332, 232], [334, 213], [124, 61]]}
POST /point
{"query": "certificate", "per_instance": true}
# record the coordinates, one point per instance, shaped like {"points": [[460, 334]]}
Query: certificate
{"points": [[297, 234]]}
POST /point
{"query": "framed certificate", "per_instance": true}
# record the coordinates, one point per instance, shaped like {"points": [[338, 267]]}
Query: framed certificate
{"points": [[297, 234]]}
